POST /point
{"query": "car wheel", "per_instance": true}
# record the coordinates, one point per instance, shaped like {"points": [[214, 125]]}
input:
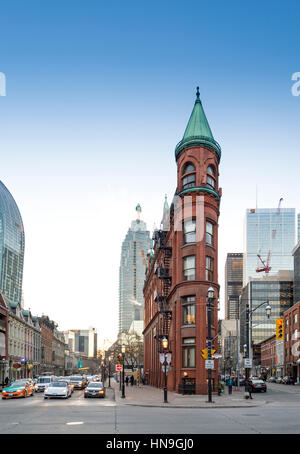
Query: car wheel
{"points": [[3, 398]]}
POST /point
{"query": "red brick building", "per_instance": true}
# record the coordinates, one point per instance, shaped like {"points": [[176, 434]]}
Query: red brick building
{"points": [[291, 324], [268, 357], [184, 264], [47, 330]]}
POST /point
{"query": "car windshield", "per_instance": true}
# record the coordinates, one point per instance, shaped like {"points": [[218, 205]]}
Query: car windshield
{"points": [[17, 384], [76, 378], [257, 381], [58, 384], [44, 380], [95, 385]]}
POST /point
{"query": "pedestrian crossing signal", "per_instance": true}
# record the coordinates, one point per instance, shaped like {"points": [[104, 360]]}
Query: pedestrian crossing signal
{"points": [[279, 329]]}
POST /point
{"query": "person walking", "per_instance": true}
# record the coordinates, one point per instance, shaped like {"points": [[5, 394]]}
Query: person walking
{"points": [[230, 383], [248, 389], [132, 380], [126, 380]]}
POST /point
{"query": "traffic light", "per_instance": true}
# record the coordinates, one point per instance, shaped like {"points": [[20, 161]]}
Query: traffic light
{"points": [[205, 353], [279, 329], [120, 358]]}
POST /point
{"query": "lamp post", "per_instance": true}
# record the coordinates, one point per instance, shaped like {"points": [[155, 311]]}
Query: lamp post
{"points": [[109, 360], [165, 347], [249, 325], [123, 350], [210, 306]]}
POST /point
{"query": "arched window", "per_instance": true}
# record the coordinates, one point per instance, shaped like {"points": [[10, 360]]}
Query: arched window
{"points": [[210, 177], [189, 176]]}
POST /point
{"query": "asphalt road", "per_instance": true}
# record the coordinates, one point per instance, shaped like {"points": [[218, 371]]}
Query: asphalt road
{"points": [[78, 415]]}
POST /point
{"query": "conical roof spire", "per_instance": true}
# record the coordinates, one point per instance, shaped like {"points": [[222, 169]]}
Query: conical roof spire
{"points": [[198, 131]]}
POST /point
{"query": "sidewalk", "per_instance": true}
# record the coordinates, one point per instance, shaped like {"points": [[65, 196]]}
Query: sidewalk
{"points": [[148, 396]]}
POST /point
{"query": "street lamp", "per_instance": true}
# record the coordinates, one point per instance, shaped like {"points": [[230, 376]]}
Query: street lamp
{"points": [[109, 360], [123, 351], [165, 344], [249, 325], [210, 306]]}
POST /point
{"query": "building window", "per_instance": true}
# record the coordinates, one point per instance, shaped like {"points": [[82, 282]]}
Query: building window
{"points": [[188, 310], [209, 233], [210, 177], [189, 176], [189, 268], [209, 269], [295, 318], [189, 231], [188, 352]]}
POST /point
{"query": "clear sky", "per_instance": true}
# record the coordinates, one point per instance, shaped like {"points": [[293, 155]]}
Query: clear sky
{"points": [[99, 93]]}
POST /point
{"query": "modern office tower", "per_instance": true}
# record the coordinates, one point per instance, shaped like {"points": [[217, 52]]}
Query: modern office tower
{"points": [[233, 284], [296, 254], [82, 341], [11, 247], [132, 272], [277, 291], [270, 234]]}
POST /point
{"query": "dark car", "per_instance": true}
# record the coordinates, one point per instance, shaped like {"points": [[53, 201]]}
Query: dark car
{"points": [[258, 385], [94, 389]]}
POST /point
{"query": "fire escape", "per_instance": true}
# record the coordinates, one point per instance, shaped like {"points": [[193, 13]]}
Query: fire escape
{"points": [[163, 273]]}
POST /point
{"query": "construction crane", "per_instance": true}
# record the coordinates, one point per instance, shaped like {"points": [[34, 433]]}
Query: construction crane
{"points": [[266, 265]]}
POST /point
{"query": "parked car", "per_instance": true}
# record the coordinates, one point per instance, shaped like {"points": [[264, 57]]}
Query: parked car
{"points": [[272, 379], [94, 389], [279, 380], [19, 388], [58, 389], [43, 381], [288, 380], [258, 385]]}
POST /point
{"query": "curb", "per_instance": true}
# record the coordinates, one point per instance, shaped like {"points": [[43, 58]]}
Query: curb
{"points": [[191, 407]]}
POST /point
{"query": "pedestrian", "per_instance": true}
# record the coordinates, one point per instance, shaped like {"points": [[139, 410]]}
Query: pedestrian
{"points": [[126, 380], [131, 380], [230, 383], [248, 389], [6, 381]]}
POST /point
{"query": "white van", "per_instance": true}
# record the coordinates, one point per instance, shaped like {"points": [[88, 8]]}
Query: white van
{"points": [[43, 381]]}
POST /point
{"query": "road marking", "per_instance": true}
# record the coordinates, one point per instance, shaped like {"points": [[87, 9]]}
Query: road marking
{"points": [[74, 423]]}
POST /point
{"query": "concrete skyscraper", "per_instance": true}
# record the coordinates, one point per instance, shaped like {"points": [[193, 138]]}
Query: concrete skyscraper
{"points": [[132, 272], [233, 284]]}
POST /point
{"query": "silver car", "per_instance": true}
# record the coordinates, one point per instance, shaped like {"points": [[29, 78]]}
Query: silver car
{"points": [[59, 389]]}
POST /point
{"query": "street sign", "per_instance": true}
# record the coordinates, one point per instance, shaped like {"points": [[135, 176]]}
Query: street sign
{"points": [[118, 367], [209, 364], [169, 357], [168, 368], [162, 357], [79, 364], [247, 363], [217, 356]]}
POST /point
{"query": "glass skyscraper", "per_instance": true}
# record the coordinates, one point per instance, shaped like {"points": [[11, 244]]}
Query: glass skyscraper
{"points": [[277, 291], [11, 247], [132, 273], [269, 232]]}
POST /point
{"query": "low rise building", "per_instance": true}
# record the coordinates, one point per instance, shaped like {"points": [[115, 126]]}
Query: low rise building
{"points": [[291, 323]]}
